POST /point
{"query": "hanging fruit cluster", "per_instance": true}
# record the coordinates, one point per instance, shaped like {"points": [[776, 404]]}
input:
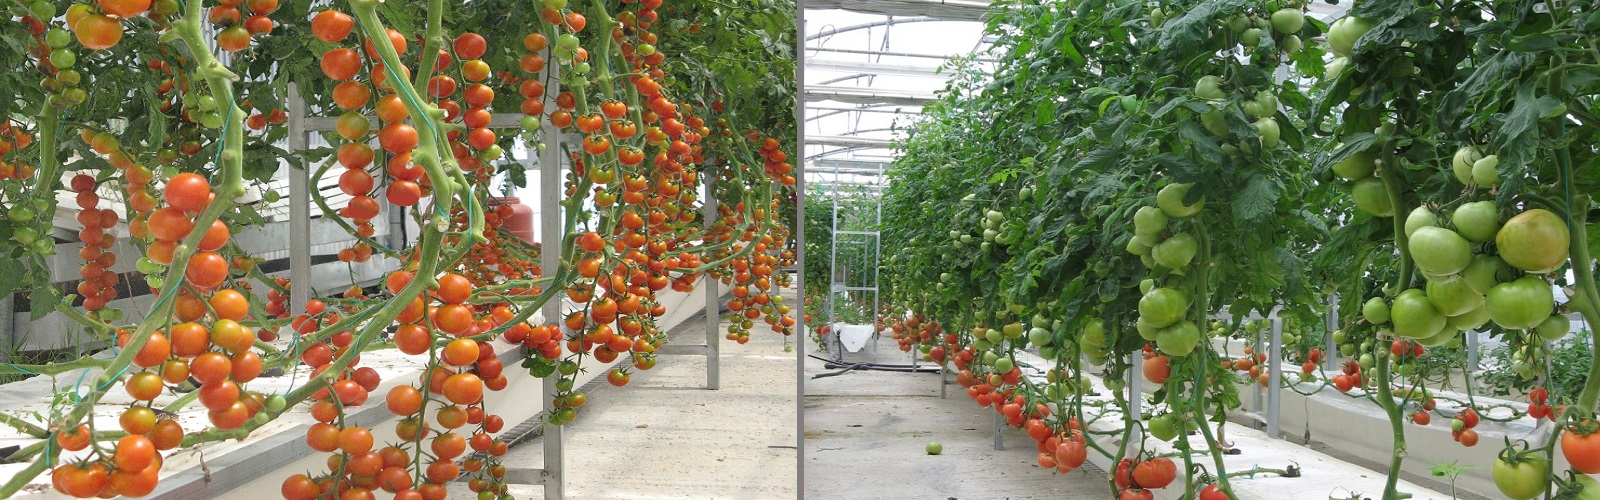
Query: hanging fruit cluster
{"points": [[99, 282], [196, 120]]}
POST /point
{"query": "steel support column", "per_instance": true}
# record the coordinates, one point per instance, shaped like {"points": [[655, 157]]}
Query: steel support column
{"points": [[550, 237], [713, 316], [299, 206]]}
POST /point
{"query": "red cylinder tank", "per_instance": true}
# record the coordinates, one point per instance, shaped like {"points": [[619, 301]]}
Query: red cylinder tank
{"points": [[521, 221]]}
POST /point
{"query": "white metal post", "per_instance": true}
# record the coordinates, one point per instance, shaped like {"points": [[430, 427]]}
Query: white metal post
{"points": [[1472, 349], [550, 229], [1331, 348], [1255, 387], [1274, 376], [299, 206], [713, 308], [999, 439], [1135, 398]]}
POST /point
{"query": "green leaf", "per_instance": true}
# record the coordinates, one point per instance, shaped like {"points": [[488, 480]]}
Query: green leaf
{"points": [[12, 274], [1533, 43], [43, 301], [1256, 199]]}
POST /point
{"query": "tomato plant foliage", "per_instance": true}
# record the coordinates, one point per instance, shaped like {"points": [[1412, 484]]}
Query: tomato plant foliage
{"points": [[1127, 171], [165, 121]]}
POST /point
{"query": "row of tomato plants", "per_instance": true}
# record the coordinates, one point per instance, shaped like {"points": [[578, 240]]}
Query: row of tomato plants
{"points": [[654, 132], [1144, 167]]}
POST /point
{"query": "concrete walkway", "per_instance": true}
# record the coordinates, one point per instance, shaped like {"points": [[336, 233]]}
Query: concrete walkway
{"points": [[866, 432], [664, 436]]}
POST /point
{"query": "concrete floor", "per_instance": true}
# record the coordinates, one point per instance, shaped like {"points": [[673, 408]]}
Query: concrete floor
{"points": [[664, 436], [865, 434]]}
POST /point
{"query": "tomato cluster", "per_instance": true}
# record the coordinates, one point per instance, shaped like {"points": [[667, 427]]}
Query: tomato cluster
{"points": [[99, 281]]}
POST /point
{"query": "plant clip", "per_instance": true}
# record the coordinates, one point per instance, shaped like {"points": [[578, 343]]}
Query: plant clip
{"points": [[1291, 471]]}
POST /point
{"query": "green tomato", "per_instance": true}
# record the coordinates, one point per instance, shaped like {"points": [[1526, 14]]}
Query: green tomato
{"points": [[1366, 361], [1453, 298], [1335, 68], [1470, 320], [1149, 221], [1372, 197], [21, 213], [1162, 307], [1161, 427], [1209, 87], [1477, 221], [1414, 317], [1094, 334], [1339, 336], [1535, 241], [1216, 123], [1176, 252], [1554, 327], [1146, 331], [1250, 38], [1268, 103], [1178, 339], [1419, 218], [982, 344], [1343, 33], [1170, 200], [1486, 171], [1291, 44], [1588, 488], [934, 448], [25, 235], [276, 403], [1268, 129], [1115, 384], [994, 336], [1004, 365], [1521, 304], [1439, 251], [1483, 273], [1444, 336], [57, 38], [1040, 337], [1375, 311], [1145, 285], [1523, 480], [1461, 164], [1355, 167], [1347, 350], [63, 58], [567, 41], [1012, 330], [1137, 248], [1288, 21]]}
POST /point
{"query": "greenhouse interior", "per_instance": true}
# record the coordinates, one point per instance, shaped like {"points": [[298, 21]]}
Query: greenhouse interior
{"points": [[358, 249], [1263, 249]]}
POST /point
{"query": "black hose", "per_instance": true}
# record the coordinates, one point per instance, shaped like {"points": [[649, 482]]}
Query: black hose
{"points": [[846, 367]]}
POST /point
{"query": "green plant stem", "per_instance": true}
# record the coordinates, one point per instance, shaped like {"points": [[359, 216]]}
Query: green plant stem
{"points": [[1203, 303], [1583, 271], [1385, 393], [23, 426]]}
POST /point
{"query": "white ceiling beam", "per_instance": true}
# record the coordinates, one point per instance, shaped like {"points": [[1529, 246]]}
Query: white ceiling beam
{"points": [[856, 95], [876, 68], [848, 141], [969, 10]]}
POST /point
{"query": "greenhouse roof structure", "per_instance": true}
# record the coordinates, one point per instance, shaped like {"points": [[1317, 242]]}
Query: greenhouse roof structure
{"points": [[869, 68], [871, 64]]}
